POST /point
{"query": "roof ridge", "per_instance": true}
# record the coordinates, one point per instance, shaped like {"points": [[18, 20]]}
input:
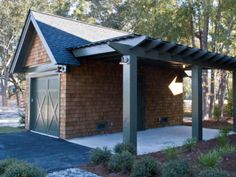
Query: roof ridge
{"points": [[79, 21]]}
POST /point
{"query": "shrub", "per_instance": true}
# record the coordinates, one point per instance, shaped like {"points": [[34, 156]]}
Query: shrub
{"points": [[210, 160], [226, 149], [216, 112], [224, 131], [147, 166], [171, 153], [121, 162], [189, 144], [22, 117], [17, 168], [213, 173], [100, 156], [223, 138], [176, 168], [121, 147], [4, 164]]}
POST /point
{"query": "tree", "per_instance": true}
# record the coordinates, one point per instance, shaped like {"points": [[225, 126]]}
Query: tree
{"points": [[12, 18]]}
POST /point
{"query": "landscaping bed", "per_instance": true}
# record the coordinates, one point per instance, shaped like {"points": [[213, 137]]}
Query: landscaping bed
{"points": [[226, 161], [225, 123]]}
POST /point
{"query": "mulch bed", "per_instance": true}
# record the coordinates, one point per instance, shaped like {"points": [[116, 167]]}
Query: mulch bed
{"points": [[225, 123], [228, 162]]}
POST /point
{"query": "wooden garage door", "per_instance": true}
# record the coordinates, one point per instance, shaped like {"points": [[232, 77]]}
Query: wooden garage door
{"points": [[44, 106]]}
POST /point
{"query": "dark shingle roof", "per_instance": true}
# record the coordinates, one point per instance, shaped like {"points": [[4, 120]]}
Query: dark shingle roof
{"points": [[61, 33]]}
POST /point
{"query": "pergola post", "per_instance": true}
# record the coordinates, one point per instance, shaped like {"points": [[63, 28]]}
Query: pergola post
{"points": [[130, 99], [234, 100], [197, 102]]}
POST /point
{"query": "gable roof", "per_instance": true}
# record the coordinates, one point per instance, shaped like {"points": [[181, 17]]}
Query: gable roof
{"points": [[57, 34]]}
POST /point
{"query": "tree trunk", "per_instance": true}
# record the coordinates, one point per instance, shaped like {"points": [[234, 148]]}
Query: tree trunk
{"points": [[222, 89], [212, 94]]}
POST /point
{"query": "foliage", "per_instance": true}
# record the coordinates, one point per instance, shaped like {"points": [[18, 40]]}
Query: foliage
{"points": [[147, 166], [171, 153], [213, 173], [100, 156], [17, 168], [216, 112], [121, 147], [189, 144], [226, 149], [22, 117], [210, 159], [223, 138], [176, 168], [121, 162], [4, 164]]}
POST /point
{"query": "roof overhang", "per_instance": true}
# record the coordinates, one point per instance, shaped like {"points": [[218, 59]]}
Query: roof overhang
{"points": [[156, 49]]}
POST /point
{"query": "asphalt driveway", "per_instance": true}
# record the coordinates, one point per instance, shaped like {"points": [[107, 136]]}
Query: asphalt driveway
{"points": [[49, 153]]}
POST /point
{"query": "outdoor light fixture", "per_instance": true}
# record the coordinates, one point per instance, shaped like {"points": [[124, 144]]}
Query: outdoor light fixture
{"points": [[176, 87], [124, 60]]}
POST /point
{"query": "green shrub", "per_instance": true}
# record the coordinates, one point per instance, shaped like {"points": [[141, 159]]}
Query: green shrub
{"points": [[121, 147], [121, 162], [213, 173], [226, 149], [4, 164], [171, 153], [224, 131], [147, 166], [100, 156], [189, 144], [176, 168], [210, 160], [223, 138], [216, 112], [22, 117], [17, 168]]}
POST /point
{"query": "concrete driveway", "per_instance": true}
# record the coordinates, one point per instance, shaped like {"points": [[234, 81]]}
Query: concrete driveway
{"points": [[49, 153]]}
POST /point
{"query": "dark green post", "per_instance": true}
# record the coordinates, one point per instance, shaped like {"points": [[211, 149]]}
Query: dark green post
{"points": [[234, 100], [197, 102], [130, 99]]}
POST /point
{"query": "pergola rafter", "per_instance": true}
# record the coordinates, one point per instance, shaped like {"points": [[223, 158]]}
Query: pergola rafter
{"points": [[137, 47]]}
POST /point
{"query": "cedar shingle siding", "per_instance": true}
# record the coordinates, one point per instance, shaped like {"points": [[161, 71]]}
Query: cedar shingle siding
{"points": [[92, 93]]}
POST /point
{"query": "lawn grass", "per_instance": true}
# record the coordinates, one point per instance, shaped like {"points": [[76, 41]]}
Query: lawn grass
{"points": [[7, 129]]}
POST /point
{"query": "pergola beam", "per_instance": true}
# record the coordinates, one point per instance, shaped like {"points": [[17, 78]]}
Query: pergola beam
{"points": [[197, 102]]}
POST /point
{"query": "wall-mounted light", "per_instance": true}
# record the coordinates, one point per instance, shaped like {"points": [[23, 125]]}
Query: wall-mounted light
{"points": [[124, 60], [176, 87]]}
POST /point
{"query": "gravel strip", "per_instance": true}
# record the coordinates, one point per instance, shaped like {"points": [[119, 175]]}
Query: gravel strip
{"points": [[72, 172]]}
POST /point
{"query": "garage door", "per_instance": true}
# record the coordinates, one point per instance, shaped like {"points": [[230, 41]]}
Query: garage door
{"points": [[44, 106]]}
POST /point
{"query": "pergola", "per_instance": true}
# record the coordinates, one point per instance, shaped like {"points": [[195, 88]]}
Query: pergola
{"points": [[133, 48]]}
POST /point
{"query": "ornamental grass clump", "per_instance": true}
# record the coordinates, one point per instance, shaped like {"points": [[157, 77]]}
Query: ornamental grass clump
{"points": [[226, 149], [100, 156], [223, 138], [177, 168], [210, 159], [121, 162], [18, 168], [189, 144], [122, 147], [171, 153], [146, 166], [213, 173]]}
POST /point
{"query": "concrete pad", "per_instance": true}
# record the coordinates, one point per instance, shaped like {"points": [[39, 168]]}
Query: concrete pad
{"points": [[150, 140]]}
